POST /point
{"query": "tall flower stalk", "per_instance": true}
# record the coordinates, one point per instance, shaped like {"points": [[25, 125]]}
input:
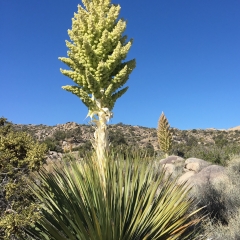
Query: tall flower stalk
{"points": [[164, 135], [96, 53]]}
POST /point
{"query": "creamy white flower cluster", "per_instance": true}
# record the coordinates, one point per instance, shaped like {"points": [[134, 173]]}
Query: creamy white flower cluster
{"points": [[96, 51]]}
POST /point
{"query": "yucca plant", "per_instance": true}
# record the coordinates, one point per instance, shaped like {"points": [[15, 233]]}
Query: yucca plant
{"points": [[136, 203], [96, 58], [164, 135]]}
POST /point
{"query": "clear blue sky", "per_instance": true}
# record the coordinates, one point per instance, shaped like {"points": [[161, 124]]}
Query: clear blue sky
{"points": [[187, 53]]}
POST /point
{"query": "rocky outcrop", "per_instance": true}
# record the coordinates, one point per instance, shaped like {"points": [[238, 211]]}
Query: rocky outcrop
{"points": [[185, 177], [171, 160], [213, 174], [195, 164], [195, 171], [171, 163]]}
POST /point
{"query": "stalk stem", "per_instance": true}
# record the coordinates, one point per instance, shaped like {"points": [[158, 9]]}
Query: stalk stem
{"points": [[101, 141]]}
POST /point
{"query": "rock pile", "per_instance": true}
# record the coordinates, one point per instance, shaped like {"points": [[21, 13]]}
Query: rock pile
{"points": [[194, 171]]}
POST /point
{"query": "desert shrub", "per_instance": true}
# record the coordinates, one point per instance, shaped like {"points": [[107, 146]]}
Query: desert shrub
{"points": [[26, 129], [233, 169], [59, 135], [117, 138], [218, 231], [223, 204], [20, 155], [120, 124], [54, 143], [232, 188], [220, 140], [77, 133], [159, 155], [51, 144], [215, 201], [149, 149], [191, 141], [179, 149], [119, 145], [129, 151], [211, 153], [68, 157], [84, 149]]}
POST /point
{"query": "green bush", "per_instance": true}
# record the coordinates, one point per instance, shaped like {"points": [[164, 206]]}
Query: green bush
{"points": [[116, 138], [149, 150], [84, 149], [210, 153], [220, 140], [59, 135], [51, 144], [20, 155], [77, 133]]}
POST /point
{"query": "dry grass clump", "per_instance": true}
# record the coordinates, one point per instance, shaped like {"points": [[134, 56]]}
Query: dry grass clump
{"points": [[218, 231], [222, 204]]}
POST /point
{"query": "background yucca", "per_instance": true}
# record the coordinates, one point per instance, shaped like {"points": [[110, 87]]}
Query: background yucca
{"points": [[164, 135]]}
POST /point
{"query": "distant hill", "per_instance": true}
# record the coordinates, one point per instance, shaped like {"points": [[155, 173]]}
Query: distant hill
{"points": [[234, 128], [77, 136]]}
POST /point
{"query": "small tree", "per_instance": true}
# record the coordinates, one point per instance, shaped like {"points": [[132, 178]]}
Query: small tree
{"points": [[164, 134], [19, 156], [95, 56]]}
